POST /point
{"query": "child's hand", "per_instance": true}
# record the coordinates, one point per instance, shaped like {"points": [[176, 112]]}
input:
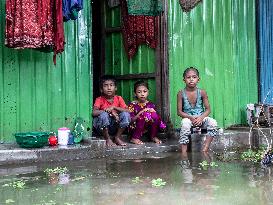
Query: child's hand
{"points": [[198, 121], [144, 110], [192, 119], [110, 109], [115, 115], [141, 112], [151, 109]]}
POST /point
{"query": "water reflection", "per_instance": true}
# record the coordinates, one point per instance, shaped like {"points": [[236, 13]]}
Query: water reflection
{"points": [[62, 178], [129, 181], [186, 169]]}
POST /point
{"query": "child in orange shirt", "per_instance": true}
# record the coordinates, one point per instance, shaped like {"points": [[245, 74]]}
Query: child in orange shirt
{"points": [[111, 115]]}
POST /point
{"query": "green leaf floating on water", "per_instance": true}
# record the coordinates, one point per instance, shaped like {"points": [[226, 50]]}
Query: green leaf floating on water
{"points": [[204, 163], [253, 155], [158, 182], [8, 201], [57, 170], [16, 184], [213, 164], [136, 180]]}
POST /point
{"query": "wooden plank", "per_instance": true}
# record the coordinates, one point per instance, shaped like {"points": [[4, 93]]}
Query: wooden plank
{"points": [[103, 37], [158, 63], [165, 84], [135, 76]]}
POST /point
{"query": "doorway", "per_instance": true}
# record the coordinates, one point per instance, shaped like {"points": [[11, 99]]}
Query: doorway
{"points": [[109, 57]]}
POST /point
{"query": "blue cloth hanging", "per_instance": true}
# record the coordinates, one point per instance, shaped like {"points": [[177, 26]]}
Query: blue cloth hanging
{"points": [[267, 159], [71, 9]]}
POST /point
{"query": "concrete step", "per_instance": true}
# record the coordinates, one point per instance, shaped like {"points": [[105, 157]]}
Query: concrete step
{"points": [[145, 138], [262, 137], [12, 153], [229, 139], [133, 150], [93, 147]]}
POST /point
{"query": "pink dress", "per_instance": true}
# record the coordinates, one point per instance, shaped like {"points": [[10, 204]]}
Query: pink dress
{"points": [[147, 121]]}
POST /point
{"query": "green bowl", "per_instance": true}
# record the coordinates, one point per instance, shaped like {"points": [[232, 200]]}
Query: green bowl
{"points": [[32, 139]]}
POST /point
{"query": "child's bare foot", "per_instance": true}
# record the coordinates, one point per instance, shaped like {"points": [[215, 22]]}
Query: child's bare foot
{"points": [[119, 142], [136, 141], [184, 148], [207, 143], [205, 149], [184, 154], [156, 140], [110, 143], [206, 156]]}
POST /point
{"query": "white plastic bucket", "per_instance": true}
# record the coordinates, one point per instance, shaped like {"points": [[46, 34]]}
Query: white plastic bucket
{"points": [[63, 134]]}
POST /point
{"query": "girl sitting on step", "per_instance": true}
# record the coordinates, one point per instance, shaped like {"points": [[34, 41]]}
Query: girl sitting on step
{"points": [[143, 115]]}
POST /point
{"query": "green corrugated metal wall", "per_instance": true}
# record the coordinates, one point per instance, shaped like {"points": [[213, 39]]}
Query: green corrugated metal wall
{"points": [[219, 38], [34, 94], [117, 62]]}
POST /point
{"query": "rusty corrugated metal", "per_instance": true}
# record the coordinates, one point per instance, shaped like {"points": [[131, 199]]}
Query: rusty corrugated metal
{"points": [[219, 38], [117, 62], [266, 50], [34, 94]]}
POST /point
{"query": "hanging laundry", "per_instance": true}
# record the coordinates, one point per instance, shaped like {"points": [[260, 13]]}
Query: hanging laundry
{"points": [[138, 30], [58, 28], [145, 7], [32, 24], [188, 5], [71, 9], [113, 3]]}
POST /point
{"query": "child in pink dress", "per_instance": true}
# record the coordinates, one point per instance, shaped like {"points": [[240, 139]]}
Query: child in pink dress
{"points": [[143, 115]]}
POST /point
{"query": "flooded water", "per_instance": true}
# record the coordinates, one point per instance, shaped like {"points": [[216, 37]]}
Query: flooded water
{"points": [[160, 179]]}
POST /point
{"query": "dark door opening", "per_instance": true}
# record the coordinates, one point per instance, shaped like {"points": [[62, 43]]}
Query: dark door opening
{"points": [[100, 33], [96, 46]]}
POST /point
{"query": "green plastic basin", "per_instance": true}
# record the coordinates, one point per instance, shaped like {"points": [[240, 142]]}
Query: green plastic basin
{"points": [[32, 139]]}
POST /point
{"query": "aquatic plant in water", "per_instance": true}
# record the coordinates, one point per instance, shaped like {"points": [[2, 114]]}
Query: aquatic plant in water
{"points": [[158, 182], [204, 164], [136, 180], [213, 164], [57, 170], [253, 156], [17, 184], [8, 201]]}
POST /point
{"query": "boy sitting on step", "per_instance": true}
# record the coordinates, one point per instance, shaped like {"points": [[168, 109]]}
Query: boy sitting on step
{"points": [[111, 115]]}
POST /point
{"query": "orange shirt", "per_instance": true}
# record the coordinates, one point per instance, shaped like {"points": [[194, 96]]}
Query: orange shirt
{"points": [[102, 103]]}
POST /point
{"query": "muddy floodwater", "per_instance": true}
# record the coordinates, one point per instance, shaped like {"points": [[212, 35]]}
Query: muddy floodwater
{"points": [[153, 179]]}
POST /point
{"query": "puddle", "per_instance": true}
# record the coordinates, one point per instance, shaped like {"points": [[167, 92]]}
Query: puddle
{"points": [[159, 179]]}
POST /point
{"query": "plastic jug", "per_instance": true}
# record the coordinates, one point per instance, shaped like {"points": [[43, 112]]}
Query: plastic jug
{"points": [[63, 135]]}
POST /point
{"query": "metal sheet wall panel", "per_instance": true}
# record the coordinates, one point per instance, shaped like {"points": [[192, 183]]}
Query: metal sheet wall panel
{"points": [[117, 62], [219, 38], [266, 50], [36, 95]]}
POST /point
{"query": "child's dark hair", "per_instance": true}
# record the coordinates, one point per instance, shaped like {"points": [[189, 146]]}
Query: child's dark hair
{"points": [[189, 69], [140, 83], [105, 78]]}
